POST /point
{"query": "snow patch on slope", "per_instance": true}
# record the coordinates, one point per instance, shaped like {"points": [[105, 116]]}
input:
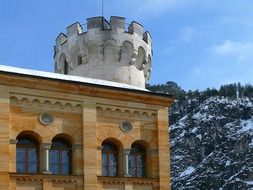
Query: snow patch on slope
{"points": [[189, 170]]}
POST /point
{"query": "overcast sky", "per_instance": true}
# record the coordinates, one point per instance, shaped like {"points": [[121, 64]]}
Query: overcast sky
{"points": [[196, 43]]}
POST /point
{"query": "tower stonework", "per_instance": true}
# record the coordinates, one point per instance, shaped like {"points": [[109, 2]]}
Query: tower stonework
{"points": [[105, 51]]}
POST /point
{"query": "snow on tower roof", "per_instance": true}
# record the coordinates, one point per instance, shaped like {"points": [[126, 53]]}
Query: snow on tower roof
{"points": [[71, 78]]}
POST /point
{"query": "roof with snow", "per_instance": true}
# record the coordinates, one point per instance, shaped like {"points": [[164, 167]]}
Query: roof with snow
{"points": [[77, 79], [71, 78]]}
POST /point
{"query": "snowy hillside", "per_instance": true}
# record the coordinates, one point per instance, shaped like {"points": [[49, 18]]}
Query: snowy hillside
{"points": [[212, 145]]}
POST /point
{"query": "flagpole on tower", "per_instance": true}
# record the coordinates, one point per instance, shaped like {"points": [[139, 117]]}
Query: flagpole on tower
{"points": [[102, 8]]}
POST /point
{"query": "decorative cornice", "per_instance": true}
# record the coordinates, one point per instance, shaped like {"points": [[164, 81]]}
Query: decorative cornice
{"points": [[144, 182], [125, 111], [25, 179], [114, 182], [64, 181], [45, 103], [38, 178], [128, 180]]}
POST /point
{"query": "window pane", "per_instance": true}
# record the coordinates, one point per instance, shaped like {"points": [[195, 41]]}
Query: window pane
{"points": [[60, 143], [53, 163], [109, 147], [112, 160], [54, 168], [53, 156], [65, 157], [131, 165], [140, 166], [112, 171], [113, 164], [32, 155], [139, 161], [26, 141], [104, 164], [20, 167], [65, 169], [20, 154], [140, 172], [32, 167]]}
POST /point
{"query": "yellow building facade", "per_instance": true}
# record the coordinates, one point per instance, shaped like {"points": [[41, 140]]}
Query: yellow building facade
{"points": [[60, 132]]}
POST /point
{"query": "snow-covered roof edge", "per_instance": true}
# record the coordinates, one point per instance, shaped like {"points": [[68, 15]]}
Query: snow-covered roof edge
{"points": [[71, 78]]}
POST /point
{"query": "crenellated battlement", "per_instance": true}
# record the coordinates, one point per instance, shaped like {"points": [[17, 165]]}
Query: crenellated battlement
{"points": [[105, 51]]}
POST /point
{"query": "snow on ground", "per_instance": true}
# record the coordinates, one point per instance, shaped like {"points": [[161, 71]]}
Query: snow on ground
{"points": [[228, 162], [247, 125], [249, 182], [189, 170]]}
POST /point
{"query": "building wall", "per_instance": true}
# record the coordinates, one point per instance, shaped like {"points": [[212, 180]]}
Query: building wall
{"points": [[86, 121]]}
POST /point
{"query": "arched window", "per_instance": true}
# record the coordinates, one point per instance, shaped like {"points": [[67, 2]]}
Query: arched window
{"points": [[26, 155], [60, 157], [136, 161], [109, 159]]}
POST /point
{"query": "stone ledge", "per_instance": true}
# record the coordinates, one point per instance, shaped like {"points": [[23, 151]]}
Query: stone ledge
{"points": [[128, 180], [51, 177]]}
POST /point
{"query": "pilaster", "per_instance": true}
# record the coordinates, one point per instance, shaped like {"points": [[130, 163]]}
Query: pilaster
{"points": [[77, 159], [90, 145], [163, 140], [4, 139], [47, 184]]}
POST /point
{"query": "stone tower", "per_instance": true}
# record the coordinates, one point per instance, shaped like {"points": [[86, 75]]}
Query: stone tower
{"points": [[105, 51]]}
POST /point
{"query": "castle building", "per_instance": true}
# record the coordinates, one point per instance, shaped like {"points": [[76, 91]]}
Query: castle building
{"points": [[91, 125]]}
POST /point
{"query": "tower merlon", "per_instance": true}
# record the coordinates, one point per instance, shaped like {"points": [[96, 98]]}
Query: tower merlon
{"points": [[147, 37], [95, 22], [136, 28], [117, 23], [61, 38], [74, 29]]}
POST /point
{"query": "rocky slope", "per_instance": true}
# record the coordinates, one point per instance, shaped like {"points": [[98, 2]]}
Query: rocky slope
{"points": [[212, 144]]}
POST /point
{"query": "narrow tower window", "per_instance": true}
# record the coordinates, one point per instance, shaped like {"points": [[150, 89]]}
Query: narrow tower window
{"points": [[79, 60], [66, 67]]}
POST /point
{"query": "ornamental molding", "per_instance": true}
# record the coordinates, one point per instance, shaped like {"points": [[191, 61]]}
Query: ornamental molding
{"points": [[39, 178], [30, 180], [128, 180], [143, 183], [103, 109], [113, 182], [64, 181], [45, 103]]}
